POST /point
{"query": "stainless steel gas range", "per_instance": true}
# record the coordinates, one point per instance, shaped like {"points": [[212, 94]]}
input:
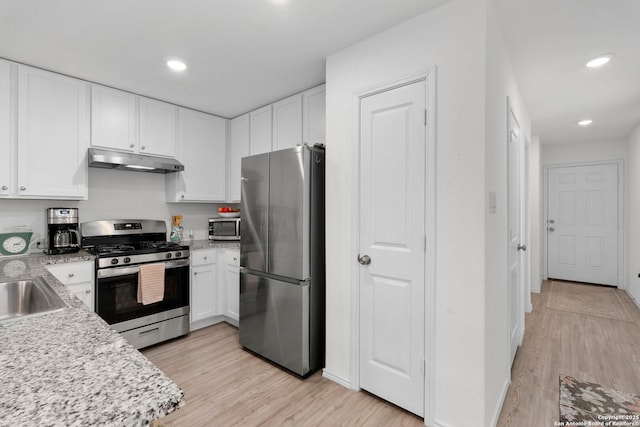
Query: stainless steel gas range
{"points": [[122, 247]]}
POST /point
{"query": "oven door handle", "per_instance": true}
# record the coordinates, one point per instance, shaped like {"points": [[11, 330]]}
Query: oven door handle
{"points": [[123, 271]]}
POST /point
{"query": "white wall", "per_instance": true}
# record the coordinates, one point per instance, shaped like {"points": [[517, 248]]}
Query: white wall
{"points": [[536, 217], [451, 37], [501, 83], [586, 152], [632, 231], [112, 194]]}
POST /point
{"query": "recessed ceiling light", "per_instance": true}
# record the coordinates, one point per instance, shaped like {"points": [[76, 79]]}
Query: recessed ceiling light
{"points": [[176, 65], [585, 122], [599, 61]]}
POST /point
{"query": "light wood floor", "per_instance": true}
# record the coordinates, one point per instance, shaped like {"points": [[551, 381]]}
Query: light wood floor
{"points": [[587, 347], [227, 386]]}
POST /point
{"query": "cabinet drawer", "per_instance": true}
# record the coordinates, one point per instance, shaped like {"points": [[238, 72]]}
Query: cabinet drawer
{"points": [[232, 257], [72, 273], [203, 256]]}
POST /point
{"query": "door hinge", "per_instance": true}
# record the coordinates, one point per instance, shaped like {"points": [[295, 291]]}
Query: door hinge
{"points": [[422, 367], [425, 117], [425, 243]]}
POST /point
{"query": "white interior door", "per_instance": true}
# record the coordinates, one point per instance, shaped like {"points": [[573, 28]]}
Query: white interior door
{"points": [[515, 234], [582, 223], [392, 245]]}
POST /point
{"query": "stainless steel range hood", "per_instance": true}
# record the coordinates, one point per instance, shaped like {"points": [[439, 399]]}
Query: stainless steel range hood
{"points": [[109, 159]]}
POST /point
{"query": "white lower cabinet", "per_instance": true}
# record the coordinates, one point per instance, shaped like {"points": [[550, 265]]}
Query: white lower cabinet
{"points": [[78, 277], [215, 287], [231, 286], [204, 309]]}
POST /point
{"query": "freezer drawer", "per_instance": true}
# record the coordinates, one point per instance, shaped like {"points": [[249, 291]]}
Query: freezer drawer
{"points": [[274, 322]]}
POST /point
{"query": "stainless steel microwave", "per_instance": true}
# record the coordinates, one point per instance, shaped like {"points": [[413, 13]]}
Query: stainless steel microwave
{"points": [[224, 228]]}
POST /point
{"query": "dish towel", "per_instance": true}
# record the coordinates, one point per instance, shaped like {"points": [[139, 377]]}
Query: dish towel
{"points": [[151, 283]]}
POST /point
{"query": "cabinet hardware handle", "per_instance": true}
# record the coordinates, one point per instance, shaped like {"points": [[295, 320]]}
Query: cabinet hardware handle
{"points": [[22, 188], [88, 291], [195, 273], [143, 147], [205, 257], [522, 247], [71, 274], [4, 187], [131, 145]]}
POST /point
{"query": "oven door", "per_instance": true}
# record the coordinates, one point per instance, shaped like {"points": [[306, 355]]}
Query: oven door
{"points": [[117, 293]]}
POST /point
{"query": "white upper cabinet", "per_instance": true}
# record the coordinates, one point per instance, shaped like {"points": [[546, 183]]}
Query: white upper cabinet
{"points": [[287, 123], [53, 135], [238, 148], [6, 144], [201, 146], [313, 122], [158, 123], [260, 130], [113, 119], [127, 122]]}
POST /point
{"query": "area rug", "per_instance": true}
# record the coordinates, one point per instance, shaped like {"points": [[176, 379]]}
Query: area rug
{"points": [[593, 300], [584, 402]]}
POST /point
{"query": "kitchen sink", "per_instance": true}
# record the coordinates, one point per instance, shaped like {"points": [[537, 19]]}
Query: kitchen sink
{"points": [[29, 297]]}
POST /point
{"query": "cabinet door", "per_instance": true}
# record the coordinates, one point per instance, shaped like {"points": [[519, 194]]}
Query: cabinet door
{"points": [[113, 119], [157, 127], [232, 285], [313, 110], [84, 292], [202, 140], [204, 290], [260, 131], [6, 144], [287, 123], [78, 277], [238, 148], [53, 135]]}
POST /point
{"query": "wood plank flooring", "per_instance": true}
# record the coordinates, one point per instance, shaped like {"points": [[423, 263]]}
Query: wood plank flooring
{"points": [[585, 346], [227, 386]]}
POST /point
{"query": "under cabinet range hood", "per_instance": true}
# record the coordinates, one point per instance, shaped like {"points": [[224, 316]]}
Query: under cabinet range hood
{"points": [[110, 159]]}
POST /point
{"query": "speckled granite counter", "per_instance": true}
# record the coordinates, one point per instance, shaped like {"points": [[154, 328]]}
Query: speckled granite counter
{"points": [[69, 368], [206, 244]]}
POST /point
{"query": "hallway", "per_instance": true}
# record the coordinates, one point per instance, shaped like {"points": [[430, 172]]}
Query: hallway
{"points": [[578, 338]]}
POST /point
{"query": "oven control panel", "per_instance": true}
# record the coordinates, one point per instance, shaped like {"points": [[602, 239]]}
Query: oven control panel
{"points": [[114, 261]]}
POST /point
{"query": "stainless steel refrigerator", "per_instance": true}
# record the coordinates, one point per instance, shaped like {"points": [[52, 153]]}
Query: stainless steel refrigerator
{"points": [[282, 257]]}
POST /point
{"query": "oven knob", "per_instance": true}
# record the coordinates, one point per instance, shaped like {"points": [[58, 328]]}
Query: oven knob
{"points": [[168, 255], [114, 261], [126, 260], [178, 254]]}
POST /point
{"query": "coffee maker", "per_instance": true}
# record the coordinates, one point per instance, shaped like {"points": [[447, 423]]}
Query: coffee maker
{"points": [[62, 230]]}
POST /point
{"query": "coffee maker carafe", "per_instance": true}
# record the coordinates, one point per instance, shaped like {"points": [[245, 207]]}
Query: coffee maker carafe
{"points": [[62, 230]]}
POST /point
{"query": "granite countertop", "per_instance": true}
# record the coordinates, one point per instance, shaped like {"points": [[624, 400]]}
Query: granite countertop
{"points": [[69, 368], [194, 245]]}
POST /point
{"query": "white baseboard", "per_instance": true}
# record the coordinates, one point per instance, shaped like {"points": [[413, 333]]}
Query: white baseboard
{"points": [[336, 379], [503, 396]]}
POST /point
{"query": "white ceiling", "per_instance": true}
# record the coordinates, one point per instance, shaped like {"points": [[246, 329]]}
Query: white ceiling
{"points": [[549, 41], [242, 54]]}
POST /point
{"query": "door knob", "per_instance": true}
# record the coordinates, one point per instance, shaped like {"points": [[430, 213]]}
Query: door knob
{"points": [[522, 247], [551, 229], [364, 260]]}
